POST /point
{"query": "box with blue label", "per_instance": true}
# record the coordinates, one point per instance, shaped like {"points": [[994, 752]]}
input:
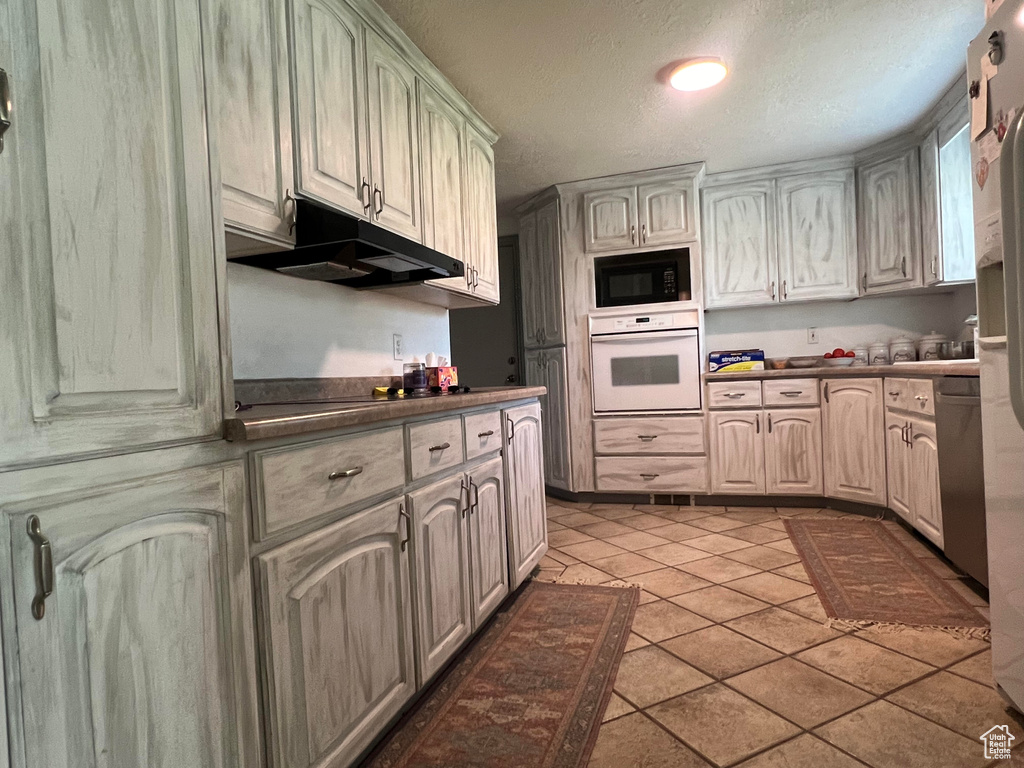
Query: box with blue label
{"points": [[730, 362]]}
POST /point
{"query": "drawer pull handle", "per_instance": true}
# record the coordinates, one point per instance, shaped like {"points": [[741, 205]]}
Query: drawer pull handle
{"points": [[793, 393], [408, 525], [735, 395], [646, 476], [345, 473], [647, 438], [440, 447], [894, 395], [488, 433], [43, 562], [921, 398]]}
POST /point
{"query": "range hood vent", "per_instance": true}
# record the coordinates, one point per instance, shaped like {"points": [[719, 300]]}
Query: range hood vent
{"points": [[335, 248]]}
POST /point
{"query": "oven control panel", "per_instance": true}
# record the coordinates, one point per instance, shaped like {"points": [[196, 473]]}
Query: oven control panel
{"points": [[644, 322]]}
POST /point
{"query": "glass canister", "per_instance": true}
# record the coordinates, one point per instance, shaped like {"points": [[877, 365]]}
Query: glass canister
{"points": [[414, 376], [878, 354]]}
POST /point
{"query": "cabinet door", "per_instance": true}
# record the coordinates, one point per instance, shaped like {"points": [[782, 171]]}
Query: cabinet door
{"points": [[144, 644], [330, 105], [254, 117], [337, 637], [441, 544], [931, 222], [897, 458], [540, 256], [488, 539], [610, 220], [737, 452], [481, 215], [854, 435], [441, 135], [793, 458], [108, 260], [740, 263], [547, 368], [531, 275], [524, 474], [394, 140], [925, 497], [889, 198], [818, 236], [667, 213]]}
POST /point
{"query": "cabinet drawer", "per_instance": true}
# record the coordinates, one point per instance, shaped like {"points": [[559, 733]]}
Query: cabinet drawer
{"points": [[664, 435], [791, 392], [482, 432], [922, 397], [654, 474], [434, 446], [734, 394], [298, 484], [896, 393]]}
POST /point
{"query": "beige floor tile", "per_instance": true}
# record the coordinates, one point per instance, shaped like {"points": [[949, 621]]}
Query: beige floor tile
{"points": [[783, 545], [719, 603], [584, 574], [719, 651], [612, 511], [651, 675], [553, 526], [662, 620], [804, 751], [782, 630], [547, 563], [977, 668], [605, 529], [635, 540], [931, 646], [589, 551], [717, 523], [677, 531], [772, 588], [885, 736], [634, 741], [652, 509], [685, 514], [722, 724], [764, 558], [669, 582], [634, 641], [646, 597], [643, 522], [776, 525], [809, 607], [550, 575], [626, 564], [940, 567], [868, 666], [968, 594], [675, 553], [749, 509], [577, 519], [752, 516], [797, 511], [964, 706], [799, 693], [796, 571], [566, 536], [717, 543], [617, 707], [757, 534], [560, 557], [718, 569]]}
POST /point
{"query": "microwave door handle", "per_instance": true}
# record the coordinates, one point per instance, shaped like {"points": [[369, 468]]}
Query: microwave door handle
{"points": [[1012, 195]]}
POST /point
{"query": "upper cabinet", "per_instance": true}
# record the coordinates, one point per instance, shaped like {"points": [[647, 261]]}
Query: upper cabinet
{"points": [[931, 226], [481, 216], [890, 223], [667, 212], [540, 258], [611, 220], [740, 263], [109, 322]]}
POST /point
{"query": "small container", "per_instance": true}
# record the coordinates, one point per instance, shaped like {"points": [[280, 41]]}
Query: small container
{"points": [[902, 350], [878, 354], [414, 376], [928, 346], [860, 356]]}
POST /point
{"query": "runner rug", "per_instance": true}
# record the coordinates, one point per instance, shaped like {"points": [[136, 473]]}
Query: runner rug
{"points": [[866, 578], [530, 691]]}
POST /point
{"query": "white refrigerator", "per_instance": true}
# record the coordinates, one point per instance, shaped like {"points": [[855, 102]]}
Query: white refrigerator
{"points": [[997, 155]]}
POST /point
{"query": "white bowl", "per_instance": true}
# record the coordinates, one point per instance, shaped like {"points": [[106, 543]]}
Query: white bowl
{"points": [[806, 361], [838, 362]]}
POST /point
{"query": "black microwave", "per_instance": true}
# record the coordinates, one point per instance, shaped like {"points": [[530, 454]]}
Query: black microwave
{"points": [[621, 283]]}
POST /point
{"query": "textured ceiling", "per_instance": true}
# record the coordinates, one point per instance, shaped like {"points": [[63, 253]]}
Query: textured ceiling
{"points": [[573, 85]]}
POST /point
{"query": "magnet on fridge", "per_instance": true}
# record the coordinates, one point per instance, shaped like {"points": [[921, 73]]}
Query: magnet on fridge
{"points": [[979, 107]]}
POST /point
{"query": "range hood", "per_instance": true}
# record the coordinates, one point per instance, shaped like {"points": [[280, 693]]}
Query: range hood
{"points": [[335, 248]]}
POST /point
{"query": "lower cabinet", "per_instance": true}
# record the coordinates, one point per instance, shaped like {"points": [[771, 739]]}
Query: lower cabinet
{"points": [[924, 480], [527, 508], [737, 452], [142, 652], [337, 637], [488, 540], [853, 427], [547, 368], [897, 455], [793, 459]]}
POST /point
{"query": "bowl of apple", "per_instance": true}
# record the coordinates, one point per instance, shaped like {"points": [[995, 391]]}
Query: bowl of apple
{"points": [[839, 357]]}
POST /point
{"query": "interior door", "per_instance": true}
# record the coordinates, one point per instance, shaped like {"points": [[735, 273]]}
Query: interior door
{"points": [[488, 539], [924, 480], [654, 371], [740, 254], [898, 463], [793, 452], [737, 452], [610, 220]]}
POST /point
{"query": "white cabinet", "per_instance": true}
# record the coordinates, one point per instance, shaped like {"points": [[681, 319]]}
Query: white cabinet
{"points": [[488, 539], [254, 118], [547, 368], [737, 452], [925, 497], [610, 220], [817, 236], [441, 543], [481, 217], [854, 437], [142, 653], [740, 249], [888, 193], [541, 268], [793, 452], [898, 463], [524, 473], [109, 265], [394, 139], [931, 226], [667, 212], [337, 638]]}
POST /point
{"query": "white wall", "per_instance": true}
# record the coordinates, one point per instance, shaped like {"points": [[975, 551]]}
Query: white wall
{"points": [[286, 327], [782, 331]]}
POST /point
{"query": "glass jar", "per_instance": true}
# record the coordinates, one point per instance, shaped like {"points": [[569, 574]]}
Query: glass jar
{"points": [[414, 376]]}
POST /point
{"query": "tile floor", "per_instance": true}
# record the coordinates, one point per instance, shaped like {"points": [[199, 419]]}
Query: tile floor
{"points": [[729, 662]]}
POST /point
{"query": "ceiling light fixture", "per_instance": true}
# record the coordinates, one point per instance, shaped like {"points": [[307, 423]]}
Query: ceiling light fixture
{"points": [[698, 74]]}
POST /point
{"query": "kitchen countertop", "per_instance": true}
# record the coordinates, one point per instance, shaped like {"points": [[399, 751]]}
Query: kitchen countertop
{"points": [[935, 369], [263, 422]]}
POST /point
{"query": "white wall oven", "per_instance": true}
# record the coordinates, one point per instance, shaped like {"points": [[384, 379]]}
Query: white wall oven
{"points": [[645, 361]]}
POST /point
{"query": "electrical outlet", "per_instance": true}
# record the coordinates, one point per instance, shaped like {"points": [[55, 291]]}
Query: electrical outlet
{"points": [[399, 348], [812, 335]]}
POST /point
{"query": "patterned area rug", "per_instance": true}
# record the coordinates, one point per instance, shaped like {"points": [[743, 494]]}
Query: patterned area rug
{"points": [[866, 578], [531, 690]]}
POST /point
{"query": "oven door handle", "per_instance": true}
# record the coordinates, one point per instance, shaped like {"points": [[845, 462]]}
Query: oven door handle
{"points": [[618, 338]]}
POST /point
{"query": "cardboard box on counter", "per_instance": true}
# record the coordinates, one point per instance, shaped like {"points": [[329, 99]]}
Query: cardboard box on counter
{"points": [[743, 360], [443, 376]]}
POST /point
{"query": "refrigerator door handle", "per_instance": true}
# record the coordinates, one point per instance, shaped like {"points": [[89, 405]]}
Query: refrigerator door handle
{"points": [[1012, 194]]}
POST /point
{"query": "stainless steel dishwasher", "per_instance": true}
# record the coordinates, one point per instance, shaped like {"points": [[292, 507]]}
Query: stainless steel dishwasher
{"points": [[962, 473]]}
